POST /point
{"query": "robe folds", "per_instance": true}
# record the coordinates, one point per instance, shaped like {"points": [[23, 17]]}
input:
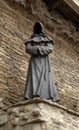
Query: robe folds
{"points": [[40, 81]]}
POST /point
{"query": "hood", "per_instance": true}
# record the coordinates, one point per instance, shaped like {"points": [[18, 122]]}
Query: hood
{"points": [[38, 28]]}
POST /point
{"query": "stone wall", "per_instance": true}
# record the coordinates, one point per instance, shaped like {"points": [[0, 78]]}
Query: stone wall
{"points": [[16, 23], [38, 114]]}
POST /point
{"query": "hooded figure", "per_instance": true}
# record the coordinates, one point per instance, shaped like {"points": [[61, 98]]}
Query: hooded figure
{"points": [[39, 81]]}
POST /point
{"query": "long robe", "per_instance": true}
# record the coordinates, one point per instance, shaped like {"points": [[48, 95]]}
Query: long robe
{"points": [[39, 81]]}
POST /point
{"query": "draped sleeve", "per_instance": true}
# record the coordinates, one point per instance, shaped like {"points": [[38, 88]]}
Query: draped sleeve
{"points": [[32, 50], [45, 50]]}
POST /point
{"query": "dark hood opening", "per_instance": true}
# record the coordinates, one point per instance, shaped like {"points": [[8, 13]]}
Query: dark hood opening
{"points": [[37, 29]]}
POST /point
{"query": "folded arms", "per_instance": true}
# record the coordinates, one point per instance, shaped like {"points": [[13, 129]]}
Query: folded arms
{"points": [[39, 50]]}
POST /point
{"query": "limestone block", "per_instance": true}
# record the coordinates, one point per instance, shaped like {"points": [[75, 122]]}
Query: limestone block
{"points": [[3, 120], [14, 122]]}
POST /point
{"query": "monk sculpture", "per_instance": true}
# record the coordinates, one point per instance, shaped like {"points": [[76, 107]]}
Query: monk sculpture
{"points": [[39, 81]]}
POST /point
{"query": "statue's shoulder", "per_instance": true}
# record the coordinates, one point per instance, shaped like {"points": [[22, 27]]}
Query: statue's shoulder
{"points": [[49, 39], [39, 38]]}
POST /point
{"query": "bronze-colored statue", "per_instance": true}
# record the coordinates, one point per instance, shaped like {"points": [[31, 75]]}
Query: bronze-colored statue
{"points": [[39, 78]]}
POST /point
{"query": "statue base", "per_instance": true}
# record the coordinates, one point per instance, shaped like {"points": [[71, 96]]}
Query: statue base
{"points": [[39, 114]]}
